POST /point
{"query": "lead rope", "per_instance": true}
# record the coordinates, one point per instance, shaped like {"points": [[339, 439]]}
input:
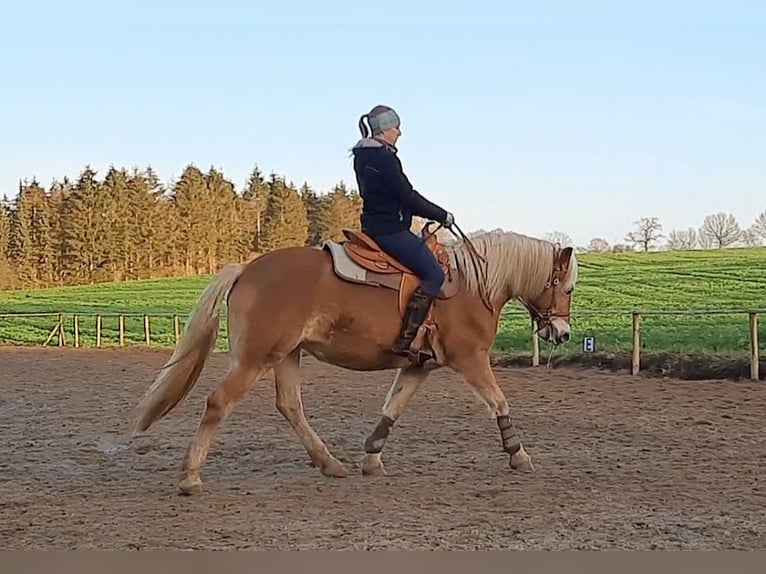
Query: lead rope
{"points": [[552, 347]]}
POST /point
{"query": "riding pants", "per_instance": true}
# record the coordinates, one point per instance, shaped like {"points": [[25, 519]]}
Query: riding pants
{"points": [[410, 250]]}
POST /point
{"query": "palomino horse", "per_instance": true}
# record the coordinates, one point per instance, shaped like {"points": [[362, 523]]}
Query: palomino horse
{"points": [[343, 304]]}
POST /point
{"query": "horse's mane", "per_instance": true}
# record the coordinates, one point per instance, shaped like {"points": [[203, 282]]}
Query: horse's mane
{"points": [[517, 265]]}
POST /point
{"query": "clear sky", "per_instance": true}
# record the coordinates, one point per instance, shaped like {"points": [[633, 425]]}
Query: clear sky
{"points": [[527, 116]]}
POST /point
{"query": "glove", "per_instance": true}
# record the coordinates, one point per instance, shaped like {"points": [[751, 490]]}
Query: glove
{"points": [[449, 221]]}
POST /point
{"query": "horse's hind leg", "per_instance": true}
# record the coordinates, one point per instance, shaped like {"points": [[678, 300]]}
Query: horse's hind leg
{"points": [[406, 382], [219, 405], [287, 379]]}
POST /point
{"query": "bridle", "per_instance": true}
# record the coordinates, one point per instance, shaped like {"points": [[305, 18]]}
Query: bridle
{"points": [[546, 317]]}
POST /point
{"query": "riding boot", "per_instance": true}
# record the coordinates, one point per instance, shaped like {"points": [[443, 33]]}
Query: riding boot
{"points": [[416, 312]]}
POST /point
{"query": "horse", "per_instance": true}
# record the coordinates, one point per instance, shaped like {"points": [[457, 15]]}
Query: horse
{"points": [[338, 302]]}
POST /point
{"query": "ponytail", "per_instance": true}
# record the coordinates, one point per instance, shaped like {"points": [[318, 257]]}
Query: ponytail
{"points": [[362, 127]]}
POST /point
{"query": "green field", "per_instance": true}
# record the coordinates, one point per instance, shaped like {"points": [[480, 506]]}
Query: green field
{"points": [[610, 287]]}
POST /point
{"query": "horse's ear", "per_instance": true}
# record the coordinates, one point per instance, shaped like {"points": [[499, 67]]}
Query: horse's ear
{"points": [[565, 257]]}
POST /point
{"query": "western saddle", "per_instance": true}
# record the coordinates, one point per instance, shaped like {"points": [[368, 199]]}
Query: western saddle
{"points": [[382, 270]]}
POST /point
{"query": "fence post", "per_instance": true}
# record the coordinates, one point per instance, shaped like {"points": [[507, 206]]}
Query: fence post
{"points": [[76, 321], [98, 330], [62, 337], [147, 331], [636, 361], [535, 345], [122, 330], [176, 328], [754, 359]]}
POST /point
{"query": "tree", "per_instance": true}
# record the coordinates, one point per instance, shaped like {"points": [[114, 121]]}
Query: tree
{"points": [[223, 240], [750, 237], [192, 206], [341, 210], [7, 272], [648, 231], [563, 239], [86, 220], [682, 239], [285, 221], [32, 238], [255, 196], [721, 230], [315, 212], [598, 245], [759, 225]]}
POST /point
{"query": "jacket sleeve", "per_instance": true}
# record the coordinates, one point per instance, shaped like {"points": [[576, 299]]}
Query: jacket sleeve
{"points": [[397, 181]]}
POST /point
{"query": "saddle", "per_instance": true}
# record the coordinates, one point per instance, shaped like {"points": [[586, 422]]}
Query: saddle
{"points": [[360, 260]]}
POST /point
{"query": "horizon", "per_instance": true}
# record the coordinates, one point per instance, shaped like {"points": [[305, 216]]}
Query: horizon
{"points": [[532, 123]]}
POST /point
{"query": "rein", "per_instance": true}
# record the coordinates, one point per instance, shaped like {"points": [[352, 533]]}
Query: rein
{"points": [[474, 254]]}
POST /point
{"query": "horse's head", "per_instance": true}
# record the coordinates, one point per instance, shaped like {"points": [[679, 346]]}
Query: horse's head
{"points": [[551, 307]]}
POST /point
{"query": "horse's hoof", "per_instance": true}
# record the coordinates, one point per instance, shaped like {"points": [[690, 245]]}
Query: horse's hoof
{"points": [[371, 465], [521, 461], [334, 469], [189, 486]]}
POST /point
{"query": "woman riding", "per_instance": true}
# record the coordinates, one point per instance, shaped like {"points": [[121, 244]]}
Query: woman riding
{"points": [[389, 203]]}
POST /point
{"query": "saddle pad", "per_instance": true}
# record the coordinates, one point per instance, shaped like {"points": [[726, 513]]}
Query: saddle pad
{"points": [[343, 264]]}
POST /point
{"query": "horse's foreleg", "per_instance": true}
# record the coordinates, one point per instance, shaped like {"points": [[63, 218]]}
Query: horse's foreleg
{"points": [[478, 374], [400, 393], [288, 384], [217, 409]]}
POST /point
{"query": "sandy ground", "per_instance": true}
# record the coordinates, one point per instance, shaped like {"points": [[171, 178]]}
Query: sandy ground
{"points": [[621, 462]]}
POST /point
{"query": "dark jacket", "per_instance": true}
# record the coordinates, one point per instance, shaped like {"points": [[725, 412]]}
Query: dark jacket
{"points": [[388, 199]]}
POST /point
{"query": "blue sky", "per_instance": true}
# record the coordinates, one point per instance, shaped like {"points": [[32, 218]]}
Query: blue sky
{"points": [[526, 118]]}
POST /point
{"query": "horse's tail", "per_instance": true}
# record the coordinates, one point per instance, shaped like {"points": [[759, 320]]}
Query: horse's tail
{"points": [[179, 375]]}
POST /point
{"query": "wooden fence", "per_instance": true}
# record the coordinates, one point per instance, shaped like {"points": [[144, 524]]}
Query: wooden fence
{"points": [[60, 332], [752, 315]]}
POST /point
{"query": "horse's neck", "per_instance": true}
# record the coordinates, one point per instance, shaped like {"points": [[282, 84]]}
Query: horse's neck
{"points": [[508, 284]]}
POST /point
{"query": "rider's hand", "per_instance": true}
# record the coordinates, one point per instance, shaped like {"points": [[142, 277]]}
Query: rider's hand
{"points": [[450, 220]]}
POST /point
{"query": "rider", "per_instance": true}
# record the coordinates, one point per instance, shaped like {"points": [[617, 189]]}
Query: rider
{"points": [[388, 204]]}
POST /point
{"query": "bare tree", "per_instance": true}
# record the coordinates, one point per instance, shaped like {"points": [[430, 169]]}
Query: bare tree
{"points": [[721, 229], [750, 237], [759, 225], [648, 231], [705, 241], [598, 245], [682, 239], [559, 237]]}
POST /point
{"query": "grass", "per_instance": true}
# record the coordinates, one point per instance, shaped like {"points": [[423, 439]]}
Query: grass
{"points": [[610, 287]]}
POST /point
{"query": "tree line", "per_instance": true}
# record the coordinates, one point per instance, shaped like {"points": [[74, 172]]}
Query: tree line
{"points": [[129, 225], [717, 231]]}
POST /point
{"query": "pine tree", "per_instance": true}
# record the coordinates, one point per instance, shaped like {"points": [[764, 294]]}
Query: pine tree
{"points": [[7, 271], [314, 212], [341, 210], [144, 224], [285, 220], [32, 236], [223, 238], [254, 197], [191, 200]]}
